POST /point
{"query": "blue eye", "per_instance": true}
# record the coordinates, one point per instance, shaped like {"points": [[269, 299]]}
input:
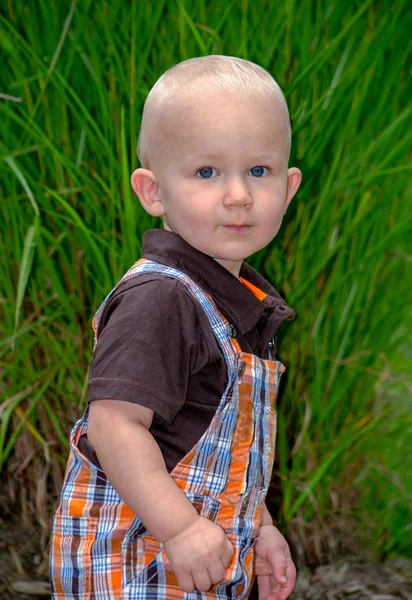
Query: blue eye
{"points": [[257, 171], [207, 171]]}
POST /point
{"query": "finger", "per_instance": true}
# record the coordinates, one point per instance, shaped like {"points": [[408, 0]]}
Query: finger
{"points": [[274, 589], [263, 586], [202, 580], [185, 581], [279, 565], [228, 554], [217, 572], [287, 588], [291, 570]]}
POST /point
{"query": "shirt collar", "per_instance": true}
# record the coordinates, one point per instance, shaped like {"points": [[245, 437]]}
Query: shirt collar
{"points": [[236, 300]]}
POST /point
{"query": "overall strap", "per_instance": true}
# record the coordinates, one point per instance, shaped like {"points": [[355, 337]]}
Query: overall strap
{"points": [[221, 328]]}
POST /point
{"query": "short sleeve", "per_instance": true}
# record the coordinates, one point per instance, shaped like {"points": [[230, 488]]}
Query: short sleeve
{"points": [[146, 347]]}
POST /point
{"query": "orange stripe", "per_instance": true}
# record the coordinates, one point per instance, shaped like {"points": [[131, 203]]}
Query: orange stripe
{"points": [[125, 521], [260, 295], [243, 434]]}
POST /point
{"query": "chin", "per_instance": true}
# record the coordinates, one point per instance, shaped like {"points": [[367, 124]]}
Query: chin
{"points": [[230, 257]]}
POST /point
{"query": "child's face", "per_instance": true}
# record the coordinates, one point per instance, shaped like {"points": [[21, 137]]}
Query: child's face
{"points": [[221, 179]]}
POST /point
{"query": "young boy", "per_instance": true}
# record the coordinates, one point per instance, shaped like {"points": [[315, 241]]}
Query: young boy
{"points": [[170, 464]]}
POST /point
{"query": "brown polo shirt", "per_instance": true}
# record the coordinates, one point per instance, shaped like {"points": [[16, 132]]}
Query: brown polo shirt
{"points": [[156, 346]]}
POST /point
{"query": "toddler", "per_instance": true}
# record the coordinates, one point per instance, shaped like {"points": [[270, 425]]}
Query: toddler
{"points": [[169, 467]]}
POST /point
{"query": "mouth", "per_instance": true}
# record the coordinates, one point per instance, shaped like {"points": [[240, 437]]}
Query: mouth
{"points": [[237, 228]]}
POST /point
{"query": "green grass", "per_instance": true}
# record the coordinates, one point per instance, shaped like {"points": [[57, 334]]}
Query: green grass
{"points": [[76, 76]]}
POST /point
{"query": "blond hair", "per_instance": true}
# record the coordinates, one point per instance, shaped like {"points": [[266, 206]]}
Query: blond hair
{"points": [[213, 75]]}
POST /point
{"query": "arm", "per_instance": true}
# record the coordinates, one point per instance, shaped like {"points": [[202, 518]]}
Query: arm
{"points": [[198, 549], [144, 484], [265, 516], [136, 467]]}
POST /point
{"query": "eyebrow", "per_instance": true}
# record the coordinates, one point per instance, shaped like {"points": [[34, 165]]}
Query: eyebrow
{"points": [[213, 155]]}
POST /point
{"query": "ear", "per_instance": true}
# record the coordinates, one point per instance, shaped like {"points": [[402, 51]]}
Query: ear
{"points": [[294, 180], [145, 186]]}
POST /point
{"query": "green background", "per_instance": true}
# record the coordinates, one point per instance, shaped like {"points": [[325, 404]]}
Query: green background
{"points": [[74, 78]]}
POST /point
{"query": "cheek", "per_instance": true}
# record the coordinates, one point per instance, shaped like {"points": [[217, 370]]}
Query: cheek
{"points": [[197, 210], [271, 210]]}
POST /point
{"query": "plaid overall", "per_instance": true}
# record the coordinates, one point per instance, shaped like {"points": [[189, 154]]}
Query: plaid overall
{"points": [[101, 551]]}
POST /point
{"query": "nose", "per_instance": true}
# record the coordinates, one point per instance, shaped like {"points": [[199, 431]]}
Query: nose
{"points": [[237, 193]]}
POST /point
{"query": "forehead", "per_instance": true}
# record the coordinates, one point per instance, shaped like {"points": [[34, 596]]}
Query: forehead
{"points": [[212, 127]]}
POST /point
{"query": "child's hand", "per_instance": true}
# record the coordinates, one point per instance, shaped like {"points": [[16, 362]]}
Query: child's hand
{"points": [[272, 563], [200, 555]]}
